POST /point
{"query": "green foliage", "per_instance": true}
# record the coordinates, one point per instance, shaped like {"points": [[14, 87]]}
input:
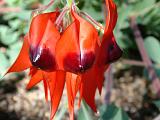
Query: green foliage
{"points": [[157, 103], [152, 46], [111, 112], [60, 115], [13, 51], [107, 112], [147, 14], [7, 36], [94, 9], [85, 112]]}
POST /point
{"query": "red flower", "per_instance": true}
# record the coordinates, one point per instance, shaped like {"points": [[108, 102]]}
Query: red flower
{"points": [[80, 44], [108, 52], [38, 54], [72, 55]]}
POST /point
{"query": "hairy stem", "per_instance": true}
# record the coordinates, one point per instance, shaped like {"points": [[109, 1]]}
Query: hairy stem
{"points": [[69, 2]]}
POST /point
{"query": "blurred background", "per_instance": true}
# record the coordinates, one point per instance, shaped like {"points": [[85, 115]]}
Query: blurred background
{"points": [[132, 86]]}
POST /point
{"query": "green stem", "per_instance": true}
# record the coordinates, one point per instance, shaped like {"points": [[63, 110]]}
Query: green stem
{"points": [[69, 2]]}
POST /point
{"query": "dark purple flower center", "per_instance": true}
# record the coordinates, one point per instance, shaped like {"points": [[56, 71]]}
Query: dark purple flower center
{"points": [[42, 58], [77, 64], [114, 53]]}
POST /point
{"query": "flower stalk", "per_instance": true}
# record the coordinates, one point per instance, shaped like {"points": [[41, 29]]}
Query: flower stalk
{"points": [[69, 2], [97, 25], [41, 9]]}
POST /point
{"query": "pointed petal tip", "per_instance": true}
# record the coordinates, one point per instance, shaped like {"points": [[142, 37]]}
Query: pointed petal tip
{"points": [[36, 77], [22, 62], [45, 89], [56, 81], [112, 16]]}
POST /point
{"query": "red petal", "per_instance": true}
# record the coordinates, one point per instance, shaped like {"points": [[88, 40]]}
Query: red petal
{"points": [[38, 26], [67, 49], [70, 95], [36, 77], [45, 84], [76, 81], [73, 83], [43, 38], [88, 38], [22, 62], [111, 16], [109, 51], [79, 54], [32, 71], [114, 51], [88, 42], [56, 81], [88, 88], [99, 76]]}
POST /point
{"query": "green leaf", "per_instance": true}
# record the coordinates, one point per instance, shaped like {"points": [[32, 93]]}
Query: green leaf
{"points": [[142, 5], [157, 103], [94, 14], [8, 37], [84, 112], [111, 112], [13, 51], [152, 46], [61, 113], [123, 14], [15, 24], [24, 15], [12, 2]]}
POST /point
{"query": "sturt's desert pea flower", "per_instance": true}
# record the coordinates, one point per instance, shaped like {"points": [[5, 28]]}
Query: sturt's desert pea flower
{"points": [[61, 50]]}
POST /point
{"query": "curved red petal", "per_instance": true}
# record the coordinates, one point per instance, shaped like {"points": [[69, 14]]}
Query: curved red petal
{"points": [[36, 77], [45, 84], [79, 54], [43, 38], [99, 76], [70, 95], [88, 41], [22, 62], [67, 49], [56, 81], [73, 84], [114, 51], [111, 16], [38, 26], [32, 70], [88, 88], [88, 38], [76, 82], [109, 50]]}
